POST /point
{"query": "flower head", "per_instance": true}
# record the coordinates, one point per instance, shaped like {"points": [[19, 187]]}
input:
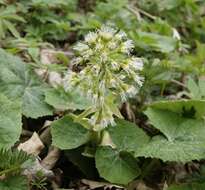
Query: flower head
{"points": [[108, 72]]}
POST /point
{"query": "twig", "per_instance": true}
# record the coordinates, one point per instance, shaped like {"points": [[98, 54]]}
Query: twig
{"points": [[179, 83], [137, 10]]}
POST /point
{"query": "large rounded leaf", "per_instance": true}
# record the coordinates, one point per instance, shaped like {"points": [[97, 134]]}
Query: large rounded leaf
{"points": [[67, 134], [116, 167], [18, 80], [127, 136], [183, 138]]}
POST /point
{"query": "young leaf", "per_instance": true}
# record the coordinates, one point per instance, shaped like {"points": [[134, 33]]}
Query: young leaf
{"points": [[183, 139], [17, 80], [68, 135], [116, 167], [10, 121]]}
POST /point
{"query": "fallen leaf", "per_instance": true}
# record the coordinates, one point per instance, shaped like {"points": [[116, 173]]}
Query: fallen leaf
{"points": [[96, 184], [50, 160], [33, 145]]}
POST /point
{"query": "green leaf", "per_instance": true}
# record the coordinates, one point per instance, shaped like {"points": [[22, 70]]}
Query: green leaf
{"points": [[10, 121], [14, 183], [8, 19], [152, 41], [62, 100], [116, 167], [34, 105], [2, 2], [192, 186], [17, 80], [193, 88], [195, 108], [127, 136], [197, 90], [34, 53], [183, 139], [11, 28], [202, 88], [68, 135], [168, 4], [2, 32]]}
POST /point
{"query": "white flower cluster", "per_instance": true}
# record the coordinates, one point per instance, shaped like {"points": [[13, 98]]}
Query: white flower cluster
{"points": [[108, 71]]}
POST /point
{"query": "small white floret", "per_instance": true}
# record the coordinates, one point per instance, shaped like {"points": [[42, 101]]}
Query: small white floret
{"points": [[136, 63], [176, 34], [91, 37], [81, 47], [106, 32], [127, 46]]}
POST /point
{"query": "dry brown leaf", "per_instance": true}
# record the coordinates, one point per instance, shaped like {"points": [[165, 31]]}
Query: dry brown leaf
{"points": [[139, 185], [96, 184], [50, 160], [33, 145], [48, 56], [45, 134], [2, 177]]}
